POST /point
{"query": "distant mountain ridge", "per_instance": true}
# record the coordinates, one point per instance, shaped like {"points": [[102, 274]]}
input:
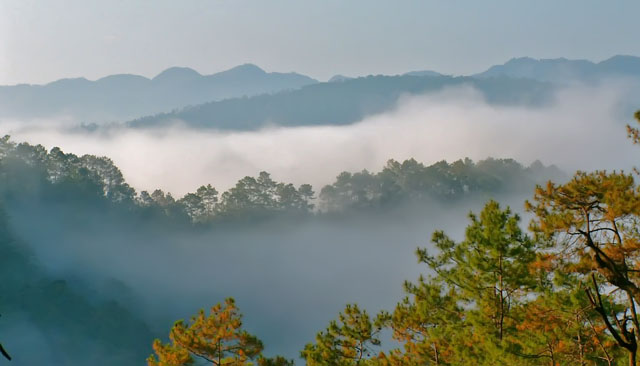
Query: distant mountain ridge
{"points": [[126, 96], [339, 102], [344, 100], [565, 70], [247, 97], [423, 73], [339, 78]]}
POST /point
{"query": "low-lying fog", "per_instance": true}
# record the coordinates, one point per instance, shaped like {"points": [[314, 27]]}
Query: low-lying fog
{"points": [[584, 129], [289, 279]]}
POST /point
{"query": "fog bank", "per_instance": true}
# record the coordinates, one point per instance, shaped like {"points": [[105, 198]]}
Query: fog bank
{"points": [[583, 129]]}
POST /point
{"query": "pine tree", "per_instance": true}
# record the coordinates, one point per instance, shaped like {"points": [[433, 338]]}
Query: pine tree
{"points": [[349, 341], [428, 323], [217, 338], [592, 220], [489, 275]]}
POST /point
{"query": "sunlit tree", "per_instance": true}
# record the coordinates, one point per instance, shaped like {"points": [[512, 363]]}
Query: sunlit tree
{"points": [[217, 338], [351, 340], [593, 223], [428, 323]]}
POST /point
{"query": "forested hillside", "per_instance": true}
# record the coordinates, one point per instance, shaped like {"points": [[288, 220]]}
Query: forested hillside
{"points": [[58, 201], [31, 174], [47, 321], [340, 103]]}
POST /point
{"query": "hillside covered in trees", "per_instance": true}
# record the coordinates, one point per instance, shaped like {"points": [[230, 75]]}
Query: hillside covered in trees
{"points": [[341, 103], [65, 327], [30, 174], [53, 202]]}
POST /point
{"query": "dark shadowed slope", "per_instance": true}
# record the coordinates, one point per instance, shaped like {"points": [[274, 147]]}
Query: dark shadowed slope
{"points": [[122, 97], [340, 103], [48, 321]]}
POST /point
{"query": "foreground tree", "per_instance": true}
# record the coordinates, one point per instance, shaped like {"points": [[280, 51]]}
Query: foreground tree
{"points": [[559, 326], [592, 222], [275, 361], [429, 324], [489, 271], [217, 338], [349, 341]]}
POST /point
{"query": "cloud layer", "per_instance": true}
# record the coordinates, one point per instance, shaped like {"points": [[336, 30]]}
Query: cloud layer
{"points": [[581, 130]]}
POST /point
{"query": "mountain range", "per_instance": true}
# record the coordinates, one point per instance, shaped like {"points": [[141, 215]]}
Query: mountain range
{"points": [[124, 96], [339, 102], [247, 97], [564, 70]]}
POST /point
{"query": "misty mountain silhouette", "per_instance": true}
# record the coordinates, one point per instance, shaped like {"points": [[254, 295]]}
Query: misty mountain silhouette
{"points": [[565, 70], [247, 97], [339, 102], [125, 96], [344, 100], [423, 73], [176, 75], [338, 78]]}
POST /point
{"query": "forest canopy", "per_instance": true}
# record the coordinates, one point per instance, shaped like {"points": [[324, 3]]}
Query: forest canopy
{"points": [[30, 172]]}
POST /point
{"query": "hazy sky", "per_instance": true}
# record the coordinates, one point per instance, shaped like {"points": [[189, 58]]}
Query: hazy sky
{"points": [[41, 41]]}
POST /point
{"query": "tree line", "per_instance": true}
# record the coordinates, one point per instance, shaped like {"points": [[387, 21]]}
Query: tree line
{"points": [[31, 172]]}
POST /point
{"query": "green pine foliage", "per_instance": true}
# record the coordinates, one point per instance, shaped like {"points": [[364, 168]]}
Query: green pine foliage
{"points": [[30, 174]]}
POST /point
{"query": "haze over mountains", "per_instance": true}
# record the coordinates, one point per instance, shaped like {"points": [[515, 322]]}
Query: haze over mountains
{"points": [[340, 103], [564, 70], [125, 96], [345, 100], [248, 98]]}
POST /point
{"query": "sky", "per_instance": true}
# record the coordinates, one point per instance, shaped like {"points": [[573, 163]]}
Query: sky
{"points": [[42, 41]]}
